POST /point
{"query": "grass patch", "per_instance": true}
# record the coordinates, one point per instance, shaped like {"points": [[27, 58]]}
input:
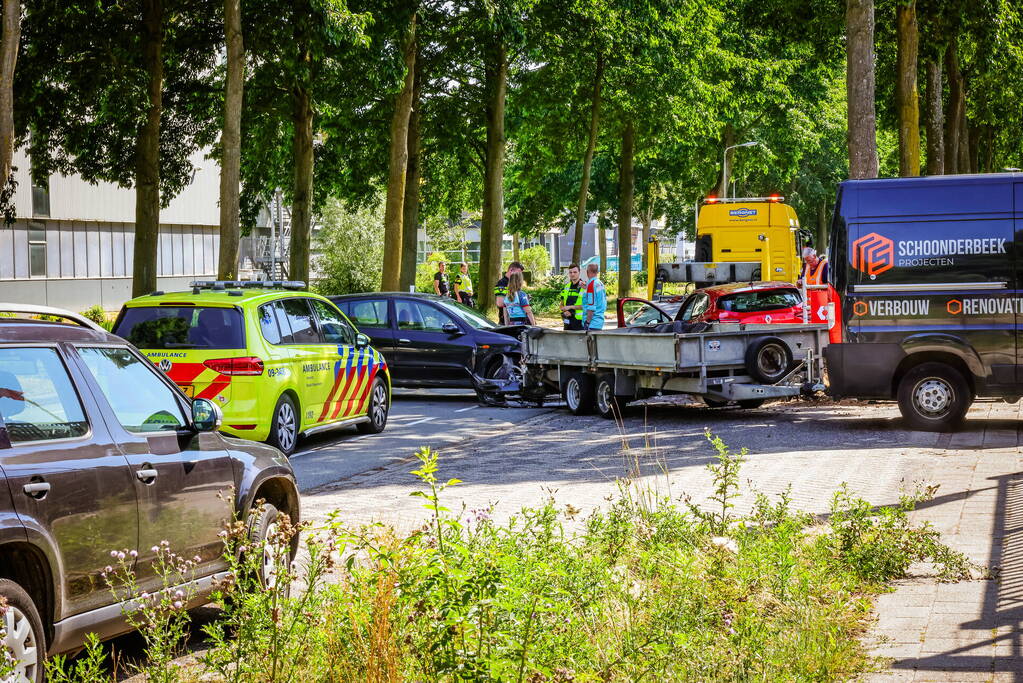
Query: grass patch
{"points": [[644, 589]]}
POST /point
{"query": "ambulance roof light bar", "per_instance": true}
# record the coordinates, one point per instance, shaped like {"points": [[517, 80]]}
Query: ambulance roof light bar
{"points": [[220, 285], [774, 198]]}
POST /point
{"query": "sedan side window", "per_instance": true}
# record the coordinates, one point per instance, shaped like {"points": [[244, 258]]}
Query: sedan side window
{"points": [[415, 315], [333, 326], [141, 400], [700, 306], [38, 402], [368, 313]]}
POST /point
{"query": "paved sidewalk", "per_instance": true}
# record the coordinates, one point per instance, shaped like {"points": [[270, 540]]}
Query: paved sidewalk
{"points": [[969, 631]]}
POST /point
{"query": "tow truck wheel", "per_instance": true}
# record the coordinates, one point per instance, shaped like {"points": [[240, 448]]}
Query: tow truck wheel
{"points": [[578, 393], [608, 405], [934, 397]]}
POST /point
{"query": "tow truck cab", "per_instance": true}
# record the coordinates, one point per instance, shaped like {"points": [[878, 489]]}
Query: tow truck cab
{"points": [[745, 230], [930, 287]]}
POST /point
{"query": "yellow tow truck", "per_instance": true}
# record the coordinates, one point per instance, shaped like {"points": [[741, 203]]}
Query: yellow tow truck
{"points": [[737, 240]]}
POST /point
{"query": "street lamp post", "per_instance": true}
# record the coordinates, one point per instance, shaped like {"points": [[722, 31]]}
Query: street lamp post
{"points": [[724, 165]]}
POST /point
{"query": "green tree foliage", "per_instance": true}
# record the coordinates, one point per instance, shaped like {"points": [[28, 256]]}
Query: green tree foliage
{"points": [[351, 248]]}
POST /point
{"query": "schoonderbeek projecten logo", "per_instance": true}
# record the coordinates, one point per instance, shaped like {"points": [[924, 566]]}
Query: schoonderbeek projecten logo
{"points": [[743, 213], [873, 254]]}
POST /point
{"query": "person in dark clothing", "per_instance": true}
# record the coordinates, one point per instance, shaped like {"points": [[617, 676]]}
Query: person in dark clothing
{"points": [[440, 280]]}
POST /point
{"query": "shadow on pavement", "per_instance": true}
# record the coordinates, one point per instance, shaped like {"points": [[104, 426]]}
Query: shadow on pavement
{"points": [[993, 641]]}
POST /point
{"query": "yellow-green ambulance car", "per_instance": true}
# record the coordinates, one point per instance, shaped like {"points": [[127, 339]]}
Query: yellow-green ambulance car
{"points": [[280, 362]]}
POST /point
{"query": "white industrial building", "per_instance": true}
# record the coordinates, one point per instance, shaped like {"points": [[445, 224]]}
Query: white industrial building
{"points": [[72, 243]]}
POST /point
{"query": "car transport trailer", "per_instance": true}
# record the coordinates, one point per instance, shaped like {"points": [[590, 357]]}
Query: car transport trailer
{"points": [[721, 363]]}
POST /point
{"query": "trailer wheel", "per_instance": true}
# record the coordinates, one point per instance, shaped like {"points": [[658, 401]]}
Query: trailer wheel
{"points": [[751, 403], [768, 360], [578, 393], [934, 397], [608, 404], [714, 403]]}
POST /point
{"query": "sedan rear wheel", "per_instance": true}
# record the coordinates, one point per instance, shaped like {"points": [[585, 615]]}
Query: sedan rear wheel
{"points": [[21, 633]]}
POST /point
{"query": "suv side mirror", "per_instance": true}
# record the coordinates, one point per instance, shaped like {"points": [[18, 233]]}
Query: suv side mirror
{"points": [[361, 341], [450, 328], [206, 415]]}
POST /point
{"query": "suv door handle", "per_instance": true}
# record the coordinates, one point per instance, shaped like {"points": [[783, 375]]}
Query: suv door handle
{"points": [[37, 489], [404, 341], [147, 475]]}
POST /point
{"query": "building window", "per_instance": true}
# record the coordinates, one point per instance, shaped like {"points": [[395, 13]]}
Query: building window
{"points": [[41, 198], [37, 249]]}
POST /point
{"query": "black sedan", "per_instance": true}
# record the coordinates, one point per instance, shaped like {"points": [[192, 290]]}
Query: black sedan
{"points": [[430, 340]]}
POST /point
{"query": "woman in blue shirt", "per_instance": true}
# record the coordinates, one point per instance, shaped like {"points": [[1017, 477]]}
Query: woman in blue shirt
{"points": [[516, 302]]}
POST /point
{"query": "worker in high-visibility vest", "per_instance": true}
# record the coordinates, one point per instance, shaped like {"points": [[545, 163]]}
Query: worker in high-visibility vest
{"points": [[815, 272], [572, 299]]}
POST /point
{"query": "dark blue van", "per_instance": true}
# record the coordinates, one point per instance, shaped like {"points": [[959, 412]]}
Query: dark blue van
{"points": [[930, 282]]}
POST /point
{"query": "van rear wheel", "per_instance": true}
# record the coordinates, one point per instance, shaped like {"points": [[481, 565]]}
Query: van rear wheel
{"points": [[934, 397]]}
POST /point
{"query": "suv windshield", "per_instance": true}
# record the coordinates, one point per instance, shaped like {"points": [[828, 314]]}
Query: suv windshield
{"points": [[467, 314], [184, 327], [757, 301]]}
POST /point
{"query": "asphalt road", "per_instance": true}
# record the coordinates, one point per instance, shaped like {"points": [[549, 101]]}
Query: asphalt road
{"points": [[435, 418]]}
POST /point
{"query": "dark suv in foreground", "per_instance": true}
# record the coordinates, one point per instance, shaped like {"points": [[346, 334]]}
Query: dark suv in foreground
{"points": [[100, 451]]}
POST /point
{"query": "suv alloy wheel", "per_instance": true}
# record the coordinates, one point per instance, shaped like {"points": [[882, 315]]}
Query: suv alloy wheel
{"points": [[22, 633]]}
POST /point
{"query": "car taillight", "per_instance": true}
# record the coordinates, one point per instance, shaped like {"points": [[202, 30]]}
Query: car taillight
{"points": [[236, 366]]}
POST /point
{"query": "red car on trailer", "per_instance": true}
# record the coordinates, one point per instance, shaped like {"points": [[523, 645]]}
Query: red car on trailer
{"points": [[737, 302]]}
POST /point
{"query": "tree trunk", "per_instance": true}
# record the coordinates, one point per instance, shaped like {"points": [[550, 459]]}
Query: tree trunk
{"points": [[727, 140], [492, 228], [515, 247], [647, 219], [410, 217], [302, 189], [964, 139], [9, 43], [935, 119], [954, 109], [602, 241], [822, 228], [906, 94], [147, 154], [394, 207], [591, 145], [626, 187], [989, 151], [231, 142], [859, 80]]}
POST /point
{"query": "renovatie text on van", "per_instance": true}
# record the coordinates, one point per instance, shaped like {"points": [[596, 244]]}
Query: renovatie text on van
{"points": [[930, 283]]}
